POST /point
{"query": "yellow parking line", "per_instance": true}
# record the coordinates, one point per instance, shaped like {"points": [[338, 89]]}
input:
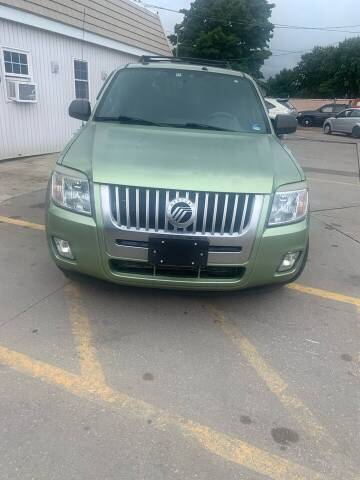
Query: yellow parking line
{"points": [[218, 443], [90, 366], [301, 413], [317, 292], [21, 223]]}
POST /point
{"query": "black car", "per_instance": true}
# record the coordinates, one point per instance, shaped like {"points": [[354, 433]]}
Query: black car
{"points": [[310, 118]]}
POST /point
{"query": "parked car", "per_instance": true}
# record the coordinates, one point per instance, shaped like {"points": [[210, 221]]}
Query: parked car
{"points": [[316, 118], [179, 180], [275, 107], [347, 121], [286, 102]]}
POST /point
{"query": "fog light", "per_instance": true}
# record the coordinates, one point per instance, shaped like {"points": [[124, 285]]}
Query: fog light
{"points": [[63, 248], [288, 261]]}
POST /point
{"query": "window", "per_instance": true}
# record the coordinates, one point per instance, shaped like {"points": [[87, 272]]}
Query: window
{"points": [[355, 113], [15, 63], [81, 76], [339, 108], [327, 109], [183, 99], [342, 114]]}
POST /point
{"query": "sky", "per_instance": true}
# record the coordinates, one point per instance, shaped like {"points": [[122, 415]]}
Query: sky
{"points": [[318, 13]]}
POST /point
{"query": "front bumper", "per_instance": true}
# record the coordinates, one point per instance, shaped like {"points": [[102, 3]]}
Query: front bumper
{"points": [[89, 242]]}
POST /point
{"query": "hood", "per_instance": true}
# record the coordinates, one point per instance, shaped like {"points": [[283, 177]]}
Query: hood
{"points": [[181, 159]]}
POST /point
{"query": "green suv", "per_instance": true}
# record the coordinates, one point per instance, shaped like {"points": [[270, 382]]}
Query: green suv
{"points": [[178, 179]]}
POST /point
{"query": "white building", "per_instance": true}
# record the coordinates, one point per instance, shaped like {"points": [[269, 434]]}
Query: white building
{"points": [[54, 51]]}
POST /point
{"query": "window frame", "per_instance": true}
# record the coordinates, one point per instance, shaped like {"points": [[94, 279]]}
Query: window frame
{"points": [[75, 59], [14, 76]]}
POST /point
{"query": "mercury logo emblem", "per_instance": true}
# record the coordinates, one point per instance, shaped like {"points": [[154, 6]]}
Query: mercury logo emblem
{"points": [[181, 212]]}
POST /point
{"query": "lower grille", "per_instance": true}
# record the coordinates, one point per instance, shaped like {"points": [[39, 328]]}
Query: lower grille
{"points": [[144, 209], [143, 268]]}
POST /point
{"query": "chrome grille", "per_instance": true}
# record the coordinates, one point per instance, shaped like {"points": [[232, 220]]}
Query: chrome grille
{"points": [[144, 209]]}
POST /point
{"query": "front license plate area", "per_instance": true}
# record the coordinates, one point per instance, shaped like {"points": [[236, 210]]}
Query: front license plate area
{"points": [[178, 252]]}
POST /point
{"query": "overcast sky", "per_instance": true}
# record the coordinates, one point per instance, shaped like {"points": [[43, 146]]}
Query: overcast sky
{"points": [[319, 13]]}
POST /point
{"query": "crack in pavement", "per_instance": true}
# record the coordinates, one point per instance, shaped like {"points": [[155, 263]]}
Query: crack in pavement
{"points": [[336, 229], [335, 208], [27, 309], [19, 195]]}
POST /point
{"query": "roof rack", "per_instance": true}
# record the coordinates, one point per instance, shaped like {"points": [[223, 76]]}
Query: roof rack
{"points": [[145, 59]]}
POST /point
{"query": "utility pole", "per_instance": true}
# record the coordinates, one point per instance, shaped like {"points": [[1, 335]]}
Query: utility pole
{"points": [[177, 44]]}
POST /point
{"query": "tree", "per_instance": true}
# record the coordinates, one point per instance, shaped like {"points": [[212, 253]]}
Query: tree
{"points": [[284, 84], [234, 30], [325, 72]]}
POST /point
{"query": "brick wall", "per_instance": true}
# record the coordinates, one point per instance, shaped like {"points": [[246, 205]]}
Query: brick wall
{"points": [[314, 103]]}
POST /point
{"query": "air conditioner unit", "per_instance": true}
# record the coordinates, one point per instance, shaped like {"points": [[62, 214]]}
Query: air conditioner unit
{"points": [[21, 92]]}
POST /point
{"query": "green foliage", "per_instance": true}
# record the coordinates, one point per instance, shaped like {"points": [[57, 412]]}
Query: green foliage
{"points": [[235, 30], [325, 72]]}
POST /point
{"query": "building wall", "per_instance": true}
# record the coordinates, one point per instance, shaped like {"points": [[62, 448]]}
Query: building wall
{"points": [[43, 127], [119, 20]]}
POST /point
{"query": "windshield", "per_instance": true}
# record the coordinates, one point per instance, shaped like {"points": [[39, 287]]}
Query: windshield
{"points": [[183, 99]]}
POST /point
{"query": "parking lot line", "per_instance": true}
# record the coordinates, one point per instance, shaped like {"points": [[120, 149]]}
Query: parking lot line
{"points": [[21, 223], [297, 409], [327, 294], [90, 367], [218, 443], [91, 385]]}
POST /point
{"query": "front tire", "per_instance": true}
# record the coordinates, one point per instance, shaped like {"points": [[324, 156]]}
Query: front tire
{"points": [[307, 122], [327, 129], [356, 132]]}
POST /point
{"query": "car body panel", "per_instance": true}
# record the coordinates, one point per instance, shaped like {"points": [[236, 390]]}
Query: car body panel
{"points": [[86, 237], [345, 121], [276, 108], [189, 160], [319, 115], [111, 153]]}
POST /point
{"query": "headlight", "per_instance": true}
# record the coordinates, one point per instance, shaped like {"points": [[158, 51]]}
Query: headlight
{"points": [[288, 206], [71, 190]]}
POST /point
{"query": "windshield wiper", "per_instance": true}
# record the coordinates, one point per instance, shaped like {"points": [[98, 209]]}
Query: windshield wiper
{"points": [[202, 126], [127, 120], [141, 121]]}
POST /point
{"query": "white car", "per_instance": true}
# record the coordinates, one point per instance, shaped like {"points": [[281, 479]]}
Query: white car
{"points": [[347, 121], [275, 107]]}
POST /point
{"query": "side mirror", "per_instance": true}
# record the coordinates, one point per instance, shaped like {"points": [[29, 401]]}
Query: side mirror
{"points": [[285, 124], [80, 109]]}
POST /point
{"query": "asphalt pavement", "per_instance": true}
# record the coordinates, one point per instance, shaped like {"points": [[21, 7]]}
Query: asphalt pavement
{"points": [[106, 382]]}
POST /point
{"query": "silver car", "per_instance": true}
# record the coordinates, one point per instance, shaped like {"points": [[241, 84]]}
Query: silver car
{"points": [[347, 121]]}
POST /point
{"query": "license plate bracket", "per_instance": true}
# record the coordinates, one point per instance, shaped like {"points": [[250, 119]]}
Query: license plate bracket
{"points": [[178, 252]]}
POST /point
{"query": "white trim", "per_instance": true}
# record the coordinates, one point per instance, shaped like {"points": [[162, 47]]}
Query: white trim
{"points": [[53, 26]]}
